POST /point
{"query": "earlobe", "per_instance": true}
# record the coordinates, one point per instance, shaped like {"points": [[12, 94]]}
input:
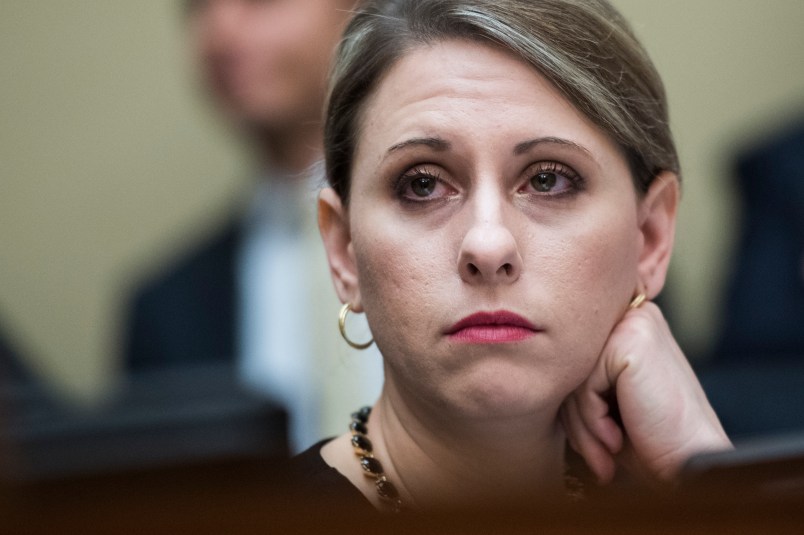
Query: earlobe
{"points": [[657, 224], [333, 223]]}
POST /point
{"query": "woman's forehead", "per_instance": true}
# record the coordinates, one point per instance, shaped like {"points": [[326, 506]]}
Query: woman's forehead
{"points": [[459, 90]]}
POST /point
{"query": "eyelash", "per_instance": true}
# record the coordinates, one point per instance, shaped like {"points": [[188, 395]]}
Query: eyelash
{"points": [[418, 171], [576, 181], [404, 181]]}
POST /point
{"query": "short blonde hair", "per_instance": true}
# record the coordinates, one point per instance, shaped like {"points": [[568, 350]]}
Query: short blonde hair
{"points": [[584, 47]]}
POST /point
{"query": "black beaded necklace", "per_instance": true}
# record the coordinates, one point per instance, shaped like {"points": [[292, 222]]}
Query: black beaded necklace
{"points": [[372, 467], [389, 494]]}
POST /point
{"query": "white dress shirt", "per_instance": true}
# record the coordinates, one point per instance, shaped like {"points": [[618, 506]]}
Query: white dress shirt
{"points": [[289, 346]]}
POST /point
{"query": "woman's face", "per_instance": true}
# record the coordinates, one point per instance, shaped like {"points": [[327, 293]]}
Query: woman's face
{"points": [[493, 232]]}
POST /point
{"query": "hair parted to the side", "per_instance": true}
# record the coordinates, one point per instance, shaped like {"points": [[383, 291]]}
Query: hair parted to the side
{"points": [[584, 47]]}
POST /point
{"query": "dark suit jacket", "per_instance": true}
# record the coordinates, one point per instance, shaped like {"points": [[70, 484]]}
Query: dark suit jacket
{"points": [[188, 313], [764, 309], [755, 380]]}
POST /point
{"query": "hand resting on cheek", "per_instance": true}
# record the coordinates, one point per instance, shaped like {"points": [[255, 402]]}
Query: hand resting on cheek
{"points": [[663, 410]]}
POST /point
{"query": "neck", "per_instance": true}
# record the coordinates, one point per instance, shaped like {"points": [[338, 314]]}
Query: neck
{"points": [[459, 460]]}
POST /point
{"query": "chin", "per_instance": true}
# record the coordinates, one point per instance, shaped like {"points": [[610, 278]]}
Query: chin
{"points": [[508, 392]]}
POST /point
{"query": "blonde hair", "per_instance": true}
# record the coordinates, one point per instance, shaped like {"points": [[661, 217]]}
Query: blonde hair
{"points": [[584, 47]]}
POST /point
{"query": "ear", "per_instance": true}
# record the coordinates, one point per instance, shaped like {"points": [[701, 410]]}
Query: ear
{"points": [[333, 223], [657, 227]]}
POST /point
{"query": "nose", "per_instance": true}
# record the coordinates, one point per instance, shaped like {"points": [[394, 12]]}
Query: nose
{"points": [[489, 254]]}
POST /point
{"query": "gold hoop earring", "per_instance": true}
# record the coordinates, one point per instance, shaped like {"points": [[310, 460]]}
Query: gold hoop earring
{"points": [[345, 309], [637, 301]]}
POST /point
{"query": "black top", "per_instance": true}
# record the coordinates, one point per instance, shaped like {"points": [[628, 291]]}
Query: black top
{"points": [[311, 478], [326, 502]]}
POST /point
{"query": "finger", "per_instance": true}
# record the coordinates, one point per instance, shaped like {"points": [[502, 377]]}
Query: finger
{"points": [[595, 397], [607, 370], [596, 413], [594, 452], [565, 423]]}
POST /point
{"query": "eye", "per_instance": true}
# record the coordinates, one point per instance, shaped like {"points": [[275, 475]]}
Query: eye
{"points": [[421, 184], [551, 178], [544, 182]]}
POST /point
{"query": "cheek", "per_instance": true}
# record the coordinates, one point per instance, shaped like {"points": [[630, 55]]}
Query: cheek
{"points": [[400, 280], [590, 273], [604, 267]]}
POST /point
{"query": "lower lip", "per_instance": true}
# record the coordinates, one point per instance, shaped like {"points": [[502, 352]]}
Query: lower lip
{"points": [[492, 334]]}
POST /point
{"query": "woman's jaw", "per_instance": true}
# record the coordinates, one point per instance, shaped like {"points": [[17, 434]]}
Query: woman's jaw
{"points": [[441, 461]]}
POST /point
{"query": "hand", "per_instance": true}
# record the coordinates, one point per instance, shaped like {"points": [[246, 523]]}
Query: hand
{"points": [[665, 415]]}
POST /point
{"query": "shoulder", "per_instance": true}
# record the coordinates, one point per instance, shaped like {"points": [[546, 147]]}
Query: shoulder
{"points": [[778, 161], [187, 309], [201, 277], [308, 477], [210, 259]]}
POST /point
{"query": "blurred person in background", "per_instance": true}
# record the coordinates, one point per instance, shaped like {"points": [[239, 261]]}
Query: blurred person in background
{"points": [[755, 377], [765, 303], [249, 294]]}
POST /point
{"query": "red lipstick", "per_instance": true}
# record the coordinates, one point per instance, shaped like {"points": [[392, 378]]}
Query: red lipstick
{"points": [[492, 328]]}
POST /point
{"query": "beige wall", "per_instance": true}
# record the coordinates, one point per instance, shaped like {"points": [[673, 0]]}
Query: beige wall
{"points": [[109, 161]]}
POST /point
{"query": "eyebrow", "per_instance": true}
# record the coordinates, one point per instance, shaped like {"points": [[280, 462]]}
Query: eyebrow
{"points": [[525, 146], [441, 145], [435, 143]]}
